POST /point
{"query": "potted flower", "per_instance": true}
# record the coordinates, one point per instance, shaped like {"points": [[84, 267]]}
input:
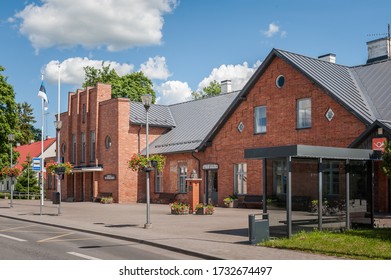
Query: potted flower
{"points": [[59, 168], [231, 201], [179, 208], [199, 209], [10, 171], [106, 200], [141, 163], [204, 209]]}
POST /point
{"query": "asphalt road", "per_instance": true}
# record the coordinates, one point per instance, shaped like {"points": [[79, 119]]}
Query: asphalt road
{"points": [[29, 241]]}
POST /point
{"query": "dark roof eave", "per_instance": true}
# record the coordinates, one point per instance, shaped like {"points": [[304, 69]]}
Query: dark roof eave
{"points": [[367, 132]]}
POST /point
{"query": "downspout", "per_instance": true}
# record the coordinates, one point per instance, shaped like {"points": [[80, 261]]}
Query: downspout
{"points": [[199, 163], [138, 136]]}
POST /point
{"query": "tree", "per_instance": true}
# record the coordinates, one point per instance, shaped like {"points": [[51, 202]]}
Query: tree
{"points": [[27, 180], [131, 86], [25, 124], [8, 119], [213, 89]]}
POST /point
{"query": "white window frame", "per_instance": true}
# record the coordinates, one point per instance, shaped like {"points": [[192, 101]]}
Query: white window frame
{"points": [[158, 181], [260, 119], [92, 146], [240, 178], [83, 147], [304, 113], [182, 176]]}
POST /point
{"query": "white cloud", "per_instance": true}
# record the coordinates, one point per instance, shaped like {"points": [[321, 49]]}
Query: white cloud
{"points": [[114, 24], [172, 92], [238, 74], [72, 71], [273, 30], [156, 68]]}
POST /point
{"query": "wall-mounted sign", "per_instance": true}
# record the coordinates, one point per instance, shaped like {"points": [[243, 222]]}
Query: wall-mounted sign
{"points": [[210, 166], [109, 177], [378, 144]]}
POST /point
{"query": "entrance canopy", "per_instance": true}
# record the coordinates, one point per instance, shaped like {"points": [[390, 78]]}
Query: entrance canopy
{"points": [[306, 151]]}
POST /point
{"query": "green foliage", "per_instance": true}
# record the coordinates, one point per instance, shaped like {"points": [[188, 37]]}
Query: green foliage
{"points": [[386, 163], [353, 244], [213, 89], [131, 86], [8, 119], [25, 124], [27, 180]]}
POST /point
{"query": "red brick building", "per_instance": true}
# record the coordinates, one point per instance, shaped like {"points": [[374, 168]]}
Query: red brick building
{"points": [[290, 100]]}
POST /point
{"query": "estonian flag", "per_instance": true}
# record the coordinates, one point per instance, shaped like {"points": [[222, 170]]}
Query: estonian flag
{"points": [[42, 94]]}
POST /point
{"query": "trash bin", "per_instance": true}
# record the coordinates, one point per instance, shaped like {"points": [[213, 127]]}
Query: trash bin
{"points": [[56, 198], [258, 227]]}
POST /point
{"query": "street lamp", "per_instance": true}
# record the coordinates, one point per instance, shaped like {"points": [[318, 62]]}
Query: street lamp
{"points": [[58, 125], [147, 100], [11, 138]]}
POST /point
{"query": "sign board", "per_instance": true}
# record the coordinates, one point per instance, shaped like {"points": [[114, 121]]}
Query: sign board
{"points": [[109, 177], [210, 166], [36, 164], [378, 144]]}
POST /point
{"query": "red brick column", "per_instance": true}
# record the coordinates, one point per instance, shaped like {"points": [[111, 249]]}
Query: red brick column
{"points": [[193, 192]]}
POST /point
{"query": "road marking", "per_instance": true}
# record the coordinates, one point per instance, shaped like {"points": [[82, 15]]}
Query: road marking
{"points": [[82, 256], [11, 229], [56, 238], [13, 238]]}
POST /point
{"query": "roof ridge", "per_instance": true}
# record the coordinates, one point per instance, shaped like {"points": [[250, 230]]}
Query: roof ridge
{"points": [[205, 98]]}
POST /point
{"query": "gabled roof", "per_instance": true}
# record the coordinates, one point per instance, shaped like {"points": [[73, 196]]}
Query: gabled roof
{"points": [[158, 115], [194, 120], [32, 150]]}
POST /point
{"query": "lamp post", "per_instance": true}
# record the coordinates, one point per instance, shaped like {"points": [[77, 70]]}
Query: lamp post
{"points": [[147, 100], [58, 125], [11, 138]]}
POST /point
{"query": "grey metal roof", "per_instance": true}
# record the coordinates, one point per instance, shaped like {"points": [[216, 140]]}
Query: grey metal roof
{"points": [[194, 121], [337, 80], [375, 82], [158, 115]]}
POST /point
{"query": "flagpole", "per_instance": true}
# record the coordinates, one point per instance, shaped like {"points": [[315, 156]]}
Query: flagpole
{"points": [[42, 152]]}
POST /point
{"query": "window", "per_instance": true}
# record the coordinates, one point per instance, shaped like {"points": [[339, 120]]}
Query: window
{"points": [[279, 177], [158, 182], [92, 146], [73, 148], [303, 113], [84, 113], [260, 119], [83, 147], [108, 142], [182, 175], [240, 173], [331, 178], [280, 81]]}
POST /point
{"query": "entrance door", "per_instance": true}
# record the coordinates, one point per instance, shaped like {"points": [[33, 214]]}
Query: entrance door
{"points": [[211, 187]]}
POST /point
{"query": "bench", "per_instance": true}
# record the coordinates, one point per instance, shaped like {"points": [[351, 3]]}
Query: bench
{"points": [[101, 195], [165, 198], [311, 221], [250, 201]]}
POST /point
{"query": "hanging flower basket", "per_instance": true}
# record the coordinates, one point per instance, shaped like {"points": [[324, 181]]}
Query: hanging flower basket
{"points": [[141, 163], [10, 171], [59, 168]]}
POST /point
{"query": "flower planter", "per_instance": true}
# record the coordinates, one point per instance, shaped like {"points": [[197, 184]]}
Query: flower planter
{"points": [[180, 211]]}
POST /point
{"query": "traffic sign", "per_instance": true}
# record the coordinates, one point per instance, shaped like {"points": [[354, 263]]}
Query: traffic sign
{"points": [[36, 164]]}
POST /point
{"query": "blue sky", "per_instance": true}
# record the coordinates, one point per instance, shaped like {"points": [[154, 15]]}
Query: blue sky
{"points": [[180, 45]]}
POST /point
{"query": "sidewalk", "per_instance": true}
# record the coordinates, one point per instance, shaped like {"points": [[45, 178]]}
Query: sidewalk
{"points": [[223, 235]]}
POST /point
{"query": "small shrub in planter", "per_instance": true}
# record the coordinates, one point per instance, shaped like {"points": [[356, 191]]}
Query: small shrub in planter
{"points": [[179, 208], [106, 200], [204, 209]]}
